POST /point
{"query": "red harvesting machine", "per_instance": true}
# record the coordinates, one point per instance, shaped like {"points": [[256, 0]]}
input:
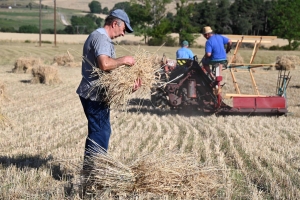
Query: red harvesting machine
{"points": [[187, 83]]}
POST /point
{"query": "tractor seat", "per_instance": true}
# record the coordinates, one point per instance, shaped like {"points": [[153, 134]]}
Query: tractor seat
{"points": [[216, 64]]}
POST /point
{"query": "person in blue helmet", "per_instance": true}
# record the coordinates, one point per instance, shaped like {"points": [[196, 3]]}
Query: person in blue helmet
{"points": [[99, 50], [184, 52]]}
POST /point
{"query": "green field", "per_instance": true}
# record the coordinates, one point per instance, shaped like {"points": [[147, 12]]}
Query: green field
{"points": [[20, 16]]}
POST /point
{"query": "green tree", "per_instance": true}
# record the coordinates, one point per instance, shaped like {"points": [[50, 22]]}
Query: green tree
{"points": [[105, 11], [82, 24], [223, 21], [148, 20], [28, 29], [285, 21], [204, 14], [122, 5], [159, 33], [257, 17], [183, 22], [8, 29], [95, 7], [140, 19], [241, 16]]}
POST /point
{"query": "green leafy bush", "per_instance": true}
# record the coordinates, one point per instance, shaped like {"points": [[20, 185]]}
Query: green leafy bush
{"points": [[8, 29], [167, 41], [28, 29]]}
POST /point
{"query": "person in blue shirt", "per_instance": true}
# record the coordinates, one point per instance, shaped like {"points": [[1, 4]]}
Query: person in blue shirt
{"points": [[184, 52], [214, 48], [99, 49]]}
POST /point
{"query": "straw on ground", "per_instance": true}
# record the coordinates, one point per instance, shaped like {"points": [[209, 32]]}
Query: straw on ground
{"points": [[175, 174]]}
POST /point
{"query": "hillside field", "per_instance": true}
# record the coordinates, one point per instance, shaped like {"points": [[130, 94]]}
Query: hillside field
{"points": [[42, 144]]}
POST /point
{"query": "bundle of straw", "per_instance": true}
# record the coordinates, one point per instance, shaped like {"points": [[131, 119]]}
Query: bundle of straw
{"points": [[287, 62], [25, 64], [63, 59], [45, 74], [174, 174], [119, 82], [102, 173]]}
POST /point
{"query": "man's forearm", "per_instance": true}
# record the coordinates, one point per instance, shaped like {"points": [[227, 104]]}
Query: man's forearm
{"points": [[106, 63]]}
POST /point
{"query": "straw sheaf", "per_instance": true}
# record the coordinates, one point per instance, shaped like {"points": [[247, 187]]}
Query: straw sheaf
{"points": [[119, 82], [25, 64], [174, 174], [45, 74], [287, 62], [64, 60]]}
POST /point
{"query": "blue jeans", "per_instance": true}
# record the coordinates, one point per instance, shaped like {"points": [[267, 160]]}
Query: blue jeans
{"points": [[99, 130]]}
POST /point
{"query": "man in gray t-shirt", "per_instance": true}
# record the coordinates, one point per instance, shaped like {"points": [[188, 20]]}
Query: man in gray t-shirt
{"points": [[99, 50]]}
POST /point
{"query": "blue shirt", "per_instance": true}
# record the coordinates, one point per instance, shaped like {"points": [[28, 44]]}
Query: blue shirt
{"points": [[215, 46], [98, 43], [184, 53]]}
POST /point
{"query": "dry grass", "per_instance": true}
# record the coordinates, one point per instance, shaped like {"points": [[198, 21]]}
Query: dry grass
{"points": [[118, 83], [25, 64], [259, 154], [288, 62], [46, 75]]}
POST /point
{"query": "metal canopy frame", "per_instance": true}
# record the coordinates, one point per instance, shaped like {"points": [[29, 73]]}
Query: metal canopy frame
{"points": [[257, 40]]}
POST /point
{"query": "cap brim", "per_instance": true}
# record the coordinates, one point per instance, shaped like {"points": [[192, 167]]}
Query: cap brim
{"points": [[128, 28]]}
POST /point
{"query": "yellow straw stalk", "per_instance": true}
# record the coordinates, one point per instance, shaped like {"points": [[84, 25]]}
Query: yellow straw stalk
{"points": [[119, 82]]}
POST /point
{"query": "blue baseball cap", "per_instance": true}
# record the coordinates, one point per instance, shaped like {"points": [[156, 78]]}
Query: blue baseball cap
{"points": [[121, 14], [185, 43]]}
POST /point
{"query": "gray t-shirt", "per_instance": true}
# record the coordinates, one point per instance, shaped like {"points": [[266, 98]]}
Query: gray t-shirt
{"points": [[98, 43]]}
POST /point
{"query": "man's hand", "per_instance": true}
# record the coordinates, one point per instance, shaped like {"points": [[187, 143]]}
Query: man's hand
{"points": [[137, 84], [128, 60], [228, 46], [106, 63]]}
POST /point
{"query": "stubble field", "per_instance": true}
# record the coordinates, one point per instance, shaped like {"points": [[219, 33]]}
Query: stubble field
{"points": [[257, 157]]}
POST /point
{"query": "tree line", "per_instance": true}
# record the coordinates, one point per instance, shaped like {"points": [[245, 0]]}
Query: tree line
{"points": [[152, 20]]}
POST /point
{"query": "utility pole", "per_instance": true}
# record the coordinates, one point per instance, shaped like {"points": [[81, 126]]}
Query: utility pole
{"points": [[40, 23], [55, 23]]}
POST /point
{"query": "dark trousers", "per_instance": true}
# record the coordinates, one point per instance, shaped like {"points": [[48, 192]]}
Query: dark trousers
{"points": [[99, 130]]}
